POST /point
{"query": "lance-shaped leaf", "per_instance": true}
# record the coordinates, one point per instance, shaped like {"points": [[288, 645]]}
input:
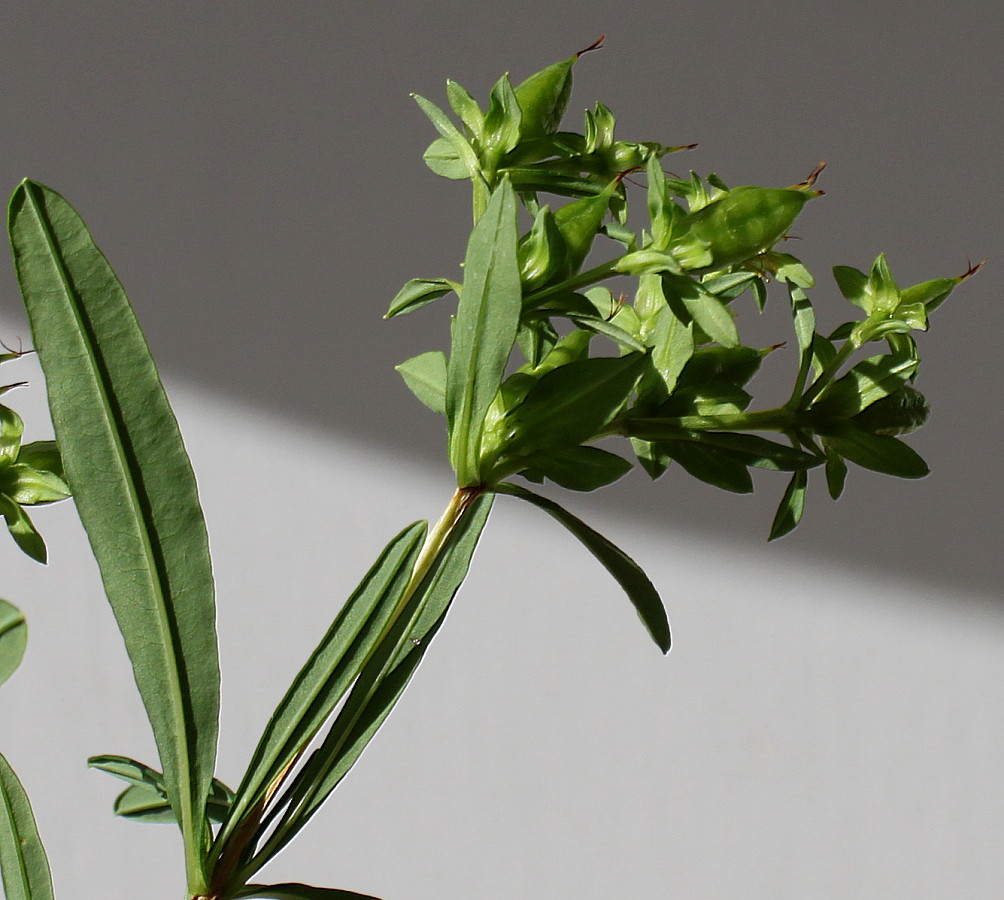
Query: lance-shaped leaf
{"points": [[572, 403], [330, 671], [133, 486], [145, 800], [144, 803], [627, 573], [578, 468], [13, 638], [23, 864], [419, 292], [719, 467], [789, 510], [292, 891], [484, 330], [708, 312], [878, 452], [869, 381], [379, 686]]}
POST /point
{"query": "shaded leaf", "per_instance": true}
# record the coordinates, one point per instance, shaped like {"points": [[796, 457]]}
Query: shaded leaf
{"points": [[878, 452], [789, 510], [330, 671], [22, 529], [380, 684], [572, 403], [626, 572], [717, 467], [579, 468], [133, 486]]}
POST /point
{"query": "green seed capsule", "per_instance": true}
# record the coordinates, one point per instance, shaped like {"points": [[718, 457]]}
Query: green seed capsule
{"points": [[543, 96], [578, 222], [542, 255], [746, 221]]}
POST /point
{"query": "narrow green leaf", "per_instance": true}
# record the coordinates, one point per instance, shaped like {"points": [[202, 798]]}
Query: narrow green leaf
{"points": [[11, 429], [501, 122], [133, 486], [803, 317], [853, 285], [627, 573], [23, 864], [484, 330], [419, 292], [146, 804], [789, 511], [651, 457], [836, 473], [146, 798], [297, 892], [580, 468], [425, 376], [712, 465], [466, 107], [617, 334], [750, 449], [709, 313], [878, 452], [13, 639], [22, 529], [572, 403], [330, 671], [129, 770], [449, 131], [869, 381], [380, 684]]}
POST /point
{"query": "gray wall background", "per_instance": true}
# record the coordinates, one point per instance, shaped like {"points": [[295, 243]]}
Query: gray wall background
{"points": [[828, 723]]}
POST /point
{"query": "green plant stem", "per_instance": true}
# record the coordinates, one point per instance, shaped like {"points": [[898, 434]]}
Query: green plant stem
{"points": [[434, 546], [583, 279], [826, 376]]}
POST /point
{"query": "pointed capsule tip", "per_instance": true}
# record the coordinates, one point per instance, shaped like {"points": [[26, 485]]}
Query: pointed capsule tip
{"points": [[595, 45]]}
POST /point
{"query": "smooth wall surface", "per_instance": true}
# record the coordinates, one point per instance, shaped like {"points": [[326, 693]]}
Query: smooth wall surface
{"points": [[828, 724]]}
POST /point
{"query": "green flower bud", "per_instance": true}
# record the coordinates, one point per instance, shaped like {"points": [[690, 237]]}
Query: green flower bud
{"points": [[541, 253], [543, 96], [746, 221]]}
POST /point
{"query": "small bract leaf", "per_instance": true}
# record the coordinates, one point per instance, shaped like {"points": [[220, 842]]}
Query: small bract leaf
{"points": [[419, 292], [441, 156], [425, 376]]}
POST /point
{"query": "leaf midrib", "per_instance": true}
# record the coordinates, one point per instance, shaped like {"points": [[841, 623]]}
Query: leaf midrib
{"points": [[139, 509]]}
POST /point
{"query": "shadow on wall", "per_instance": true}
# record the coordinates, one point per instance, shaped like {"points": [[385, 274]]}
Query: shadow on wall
{"points": [[261, 227]]}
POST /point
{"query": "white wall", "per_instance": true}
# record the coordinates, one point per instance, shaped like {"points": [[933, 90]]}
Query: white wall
{"points": [[814, 733]]}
